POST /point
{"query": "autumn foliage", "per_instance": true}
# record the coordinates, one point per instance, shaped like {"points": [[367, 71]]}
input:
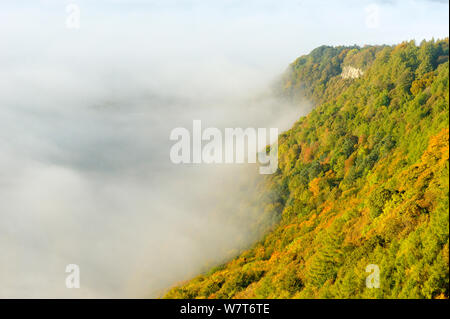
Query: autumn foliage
{"points": [[363, 179]]}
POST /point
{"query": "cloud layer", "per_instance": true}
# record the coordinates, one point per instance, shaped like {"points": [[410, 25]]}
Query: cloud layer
{"points": [[85, 118]]}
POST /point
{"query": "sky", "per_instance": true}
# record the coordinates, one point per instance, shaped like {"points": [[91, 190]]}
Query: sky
{"points": [[86, 114]]}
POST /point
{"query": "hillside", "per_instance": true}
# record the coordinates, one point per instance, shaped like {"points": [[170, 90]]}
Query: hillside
{"points": [[362, 179]]}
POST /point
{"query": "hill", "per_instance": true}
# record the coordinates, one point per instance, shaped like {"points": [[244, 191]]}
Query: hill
{"points": [[362, 180]]}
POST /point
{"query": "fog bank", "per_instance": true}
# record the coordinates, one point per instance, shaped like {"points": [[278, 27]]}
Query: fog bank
{"points": [[85, 119]]}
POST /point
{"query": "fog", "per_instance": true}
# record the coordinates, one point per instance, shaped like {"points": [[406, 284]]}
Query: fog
{"points": [[85, 119]]}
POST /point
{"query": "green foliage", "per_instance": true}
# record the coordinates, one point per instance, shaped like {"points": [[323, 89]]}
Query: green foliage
{"points": [[363, 179], [378, 200]]}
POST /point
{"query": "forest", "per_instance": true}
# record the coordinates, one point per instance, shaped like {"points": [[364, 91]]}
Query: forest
{"points": [[363, 179]]}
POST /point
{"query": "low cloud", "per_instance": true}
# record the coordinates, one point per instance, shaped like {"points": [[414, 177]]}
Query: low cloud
{"points": [[85, 118], [86, 176]]}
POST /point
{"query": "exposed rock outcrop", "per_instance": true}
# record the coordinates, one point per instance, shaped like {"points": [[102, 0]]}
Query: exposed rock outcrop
{"points": [[349, 72]]}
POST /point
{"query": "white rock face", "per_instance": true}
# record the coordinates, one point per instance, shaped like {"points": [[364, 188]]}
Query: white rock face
{"points": [[349, 72]]}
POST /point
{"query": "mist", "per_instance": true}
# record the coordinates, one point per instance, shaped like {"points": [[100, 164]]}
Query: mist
{"points": [[85, 119]]}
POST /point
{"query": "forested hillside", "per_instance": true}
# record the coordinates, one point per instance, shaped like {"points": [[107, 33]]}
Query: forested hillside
{"points": [[362, 179]]}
